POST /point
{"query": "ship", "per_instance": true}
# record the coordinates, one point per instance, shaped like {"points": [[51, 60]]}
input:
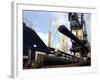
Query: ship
{"points": [[36, 54]]}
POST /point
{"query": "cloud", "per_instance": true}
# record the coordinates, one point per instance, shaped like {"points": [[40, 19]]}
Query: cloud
{"points": [[59, 19], [87, 18], [44, 37]]}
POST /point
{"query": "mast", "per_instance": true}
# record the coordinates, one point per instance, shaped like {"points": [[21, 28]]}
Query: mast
{"points": [[49, 41], [49, 34]]}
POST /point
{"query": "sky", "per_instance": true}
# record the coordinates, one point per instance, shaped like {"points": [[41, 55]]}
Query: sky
{"points": [[40, 21]]}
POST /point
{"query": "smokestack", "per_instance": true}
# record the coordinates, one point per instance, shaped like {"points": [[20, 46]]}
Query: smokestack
{"points": [[63, 42]]}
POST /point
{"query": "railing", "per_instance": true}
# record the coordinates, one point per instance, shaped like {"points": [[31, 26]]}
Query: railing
{"points": [[27, 22]]}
